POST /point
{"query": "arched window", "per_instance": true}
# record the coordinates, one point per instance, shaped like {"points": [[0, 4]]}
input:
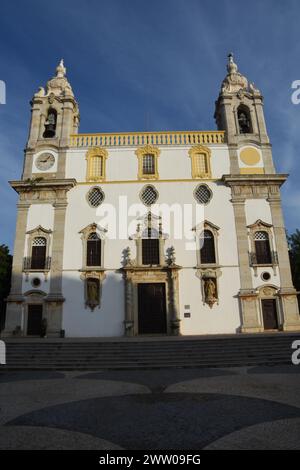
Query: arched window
{"points": [[50, 123], [200, 159], [207, 248], [262, 247], [96, 160], [93, 250], [244, 120], [38, 253], [147, 162]]}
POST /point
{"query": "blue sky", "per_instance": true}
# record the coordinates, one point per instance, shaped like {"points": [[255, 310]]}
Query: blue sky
{"points": [[141, 65]]}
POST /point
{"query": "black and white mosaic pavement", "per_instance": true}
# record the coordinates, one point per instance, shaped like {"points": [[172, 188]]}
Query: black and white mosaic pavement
{"points": [[237, 408]]}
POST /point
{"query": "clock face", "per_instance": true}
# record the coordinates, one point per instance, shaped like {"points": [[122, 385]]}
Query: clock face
{"points": [[45, 161]]}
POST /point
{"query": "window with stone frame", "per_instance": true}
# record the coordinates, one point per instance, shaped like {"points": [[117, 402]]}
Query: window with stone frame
{"points": [[200, 160], [201, 164], [262, 247], [207, 248], [148, 164], [38, 253], [96, 164], [93, 250], [150, 251]]}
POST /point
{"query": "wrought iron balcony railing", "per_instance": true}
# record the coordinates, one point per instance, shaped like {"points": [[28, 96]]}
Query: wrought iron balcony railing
{"points": [[30, 264], [262, 260]]}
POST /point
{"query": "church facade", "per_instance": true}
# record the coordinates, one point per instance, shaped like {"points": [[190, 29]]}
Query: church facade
{"points": [[174, 233]]}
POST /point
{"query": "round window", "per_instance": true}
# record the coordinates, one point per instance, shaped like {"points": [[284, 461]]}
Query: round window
{"points": [[149, 195], [95, 197], [202, 194], [266, 276], [36, 282]]}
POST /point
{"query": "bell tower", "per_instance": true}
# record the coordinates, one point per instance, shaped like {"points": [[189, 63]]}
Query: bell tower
{"points": [[43, 188], [252, 178], [54, 116], [239, 111]]}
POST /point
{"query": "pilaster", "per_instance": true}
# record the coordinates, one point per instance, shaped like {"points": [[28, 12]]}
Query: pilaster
{"points": [[15, 298], [287, 292]]}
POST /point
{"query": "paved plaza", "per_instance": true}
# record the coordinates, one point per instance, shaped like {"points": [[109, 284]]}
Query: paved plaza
{"points": [[232, 408]]}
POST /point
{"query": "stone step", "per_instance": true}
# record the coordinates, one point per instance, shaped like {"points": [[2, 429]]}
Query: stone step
{"points": [[250, 350]]}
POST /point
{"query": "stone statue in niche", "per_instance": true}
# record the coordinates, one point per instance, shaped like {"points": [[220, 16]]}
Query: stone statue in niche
{"points": [[210, 291], [92, 293]]}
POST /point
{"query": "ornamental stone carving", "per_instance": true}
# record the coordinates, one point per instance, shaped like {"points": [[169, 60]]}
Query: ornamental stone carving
{"points": [[235, 82]]}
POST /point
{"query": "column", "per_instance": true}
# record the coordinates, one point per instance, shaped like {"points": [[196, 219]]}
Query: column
{"points": [[128, 322], [35, 124], [173, 296], [15, 298], [247, 295], [55, 297]]}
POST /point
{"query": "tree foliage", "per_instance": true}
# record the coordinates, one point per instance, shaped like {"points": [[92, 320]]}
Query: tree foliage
{"points": [[294, 242], [5, 278]]}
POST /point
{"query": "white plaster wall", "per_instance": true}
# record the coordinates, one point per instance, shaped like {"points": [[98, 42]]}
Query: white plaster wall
{"points": [[222, 318], [122, 163], [79, 214], [105, 321], [108, 321], [257, 209], [40, 214]]}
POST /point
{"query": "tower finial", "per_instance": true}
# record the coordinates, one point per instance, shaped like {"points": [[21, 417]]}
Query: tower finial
{"points": [[231, 66], [61, 69]]}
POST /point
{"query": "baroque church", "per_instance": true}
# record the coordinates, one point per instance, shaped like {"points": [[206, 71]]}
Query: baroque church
{"points": [[73, 276]]}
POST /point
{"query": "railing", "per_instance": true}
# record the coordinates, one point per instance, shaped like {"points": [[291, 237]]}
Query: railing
{"points": [[267, 260], [27, 264], [151, 138]]}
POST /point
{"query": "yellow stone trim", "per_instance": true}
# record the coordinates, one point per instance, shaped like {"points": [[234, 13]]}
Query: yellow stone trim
{"points": [[188, 180], [252, 171], [137, 139], [147, 150], [250, 156], [96, 152], [193, 152]]}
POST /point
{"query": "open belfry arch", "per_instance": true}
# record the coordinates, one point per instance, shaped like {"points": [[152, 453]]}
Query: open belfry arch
{"points": [[227, 273]]}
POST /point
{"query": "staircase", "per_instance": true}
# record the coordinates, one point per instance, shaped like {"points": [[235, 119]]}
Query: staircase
{"points": [[148, 353]]}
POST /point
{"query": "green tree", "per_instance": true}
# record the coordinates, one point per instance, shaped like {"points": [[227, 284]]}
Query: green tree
{"points": [[294, 243], [5, 278]]}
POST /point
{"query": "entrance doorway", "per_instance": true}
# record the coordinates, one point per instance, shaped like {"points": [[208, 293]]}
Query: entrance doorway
{"points": [[269, 312], [152, 317], [34, 319]]}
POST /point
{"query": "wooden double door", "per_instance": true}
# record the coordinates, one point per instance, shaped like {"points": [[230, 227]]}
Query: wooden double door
{"points": [[34, 319], [269, 311], [152, 315]]}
